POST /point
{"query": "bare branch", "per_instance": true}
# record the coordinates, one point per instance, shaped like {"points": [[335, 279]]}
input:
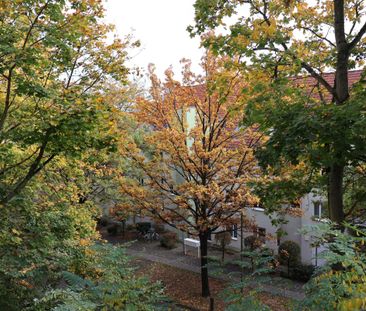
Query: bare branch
{"points": [[357, 38]]}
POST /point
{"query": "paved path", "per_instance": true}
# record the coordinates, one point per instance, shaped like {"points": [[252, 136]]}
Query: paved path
{"points": [[175, 258]]}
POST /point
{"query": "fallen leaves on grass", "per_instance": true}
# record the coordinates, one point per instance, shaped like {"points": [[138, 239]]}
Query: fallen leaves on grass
{"points": [[184, 287]]}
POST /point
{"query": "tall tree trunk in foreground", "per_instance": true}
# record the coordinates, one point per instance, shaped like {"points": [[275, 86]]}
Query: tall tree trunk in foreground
{"points": [[341, 89], [204, 269], [336, 212]]}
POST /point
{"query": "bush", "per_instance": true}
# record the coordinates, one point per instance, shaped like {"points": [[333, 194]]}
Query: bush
{"points": [[110, 281], [169, 240], [302, 272], [159, 228], [103, 221], [114, 229], [332, 287], [289, 253], [223, 239], [252, 242], [143, 227], [131, 227], [33, 248]]}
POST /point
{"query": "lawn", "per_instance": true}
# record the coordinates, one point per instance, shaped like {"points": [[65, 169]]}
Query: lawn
{"points": [[184, 287]]}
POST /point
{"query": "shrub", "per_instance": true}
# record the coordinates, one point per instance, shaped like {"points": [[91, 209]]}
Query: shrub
{"points": [[223, 239], [289, 253], [40, 238], [113, 229], [169, 240], [332, 287], [131, 227], [103, 221], [261, 260], [302, 272], [143, 227], [252, 242], [242, 295], [110, 282], [159, 228]]}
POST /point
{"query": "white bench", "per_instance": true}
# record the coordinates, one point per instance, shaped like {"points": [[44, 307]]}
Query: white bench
{"points": [[192, 243]]}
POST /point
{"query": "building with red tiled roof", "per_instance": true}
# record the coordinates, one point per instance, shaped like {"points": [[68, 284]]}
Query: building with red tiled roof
{"points": [[353, 77], [309, 83], [315, 89]]}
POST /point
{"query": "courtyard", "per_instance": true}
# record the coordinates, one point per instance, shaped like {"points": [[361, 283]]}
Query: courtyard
{"points": [[180, 274]]}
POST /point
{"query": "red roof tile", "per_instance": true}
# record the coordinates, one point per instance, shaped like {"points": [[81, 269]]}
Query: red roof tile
{"points": [[310, 83], [307, 82]]}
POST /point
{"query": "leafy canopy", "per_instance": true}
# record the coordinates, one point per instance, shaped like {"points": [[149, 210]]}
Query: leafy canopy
{"points": [[198, 164]]}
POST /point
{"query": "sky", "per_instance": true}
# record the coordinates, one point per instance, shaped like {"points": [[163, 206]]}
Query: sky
{"points": [[160, 25]]}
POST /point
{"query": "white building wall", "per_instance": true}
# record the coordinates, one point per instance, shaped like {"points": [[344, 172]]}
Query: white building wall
{"points": [[292, 227], [308, 253], [263, 221]]}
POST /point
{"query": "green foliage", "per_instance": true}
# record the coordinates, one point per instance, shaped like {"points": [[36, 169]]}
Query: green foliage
{"points": [[58, 129], [355, 192], [110, 284], [237, 301], [302, 272], [310, 120], [260, 261], [289, 253], [54, 64], [297, 123], [340, 283], [36, 244], [242, 295]]}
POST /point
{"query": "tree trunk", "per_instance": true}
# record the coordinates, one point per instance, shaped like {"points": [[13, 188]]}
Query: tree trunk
{"points": [[204, 269], [7, 103], [241, 250], [341, 75], [336, 173], [123, 228], [336, 193]]}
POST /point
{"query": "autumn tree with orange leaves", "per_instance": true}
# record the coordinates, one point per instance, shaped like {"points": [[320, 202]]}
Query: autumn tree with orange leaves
{"points": [[198, 164]]}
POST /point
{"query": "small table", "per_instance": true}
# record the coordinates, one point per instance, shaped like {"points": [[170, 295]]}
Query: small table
{"points": [[193, 243]]}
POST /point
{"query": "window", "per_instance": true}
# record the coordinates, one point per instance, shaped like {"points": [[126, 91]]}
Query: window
{"points": [[318, 209], [234, 232], [209, 238]]}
